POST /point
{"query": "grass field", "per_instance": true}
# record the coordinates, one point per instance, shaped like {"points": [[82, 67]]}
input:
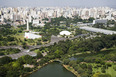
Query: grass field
{"points": [[110, 70], [19, 36]]}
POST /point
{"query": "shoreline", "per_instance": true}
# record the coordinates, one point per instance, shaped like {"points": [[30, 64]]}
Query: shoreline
{"points": [[39, 67], [71, 70]]}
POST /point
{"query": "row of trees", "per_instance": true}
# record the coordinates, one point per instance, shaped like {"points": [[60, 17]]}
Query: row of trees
{"points": [[15, 68], [65, 48], [93, 45], [77, 46], [8, 51], [61, 51], [6, 35], [111, 25], [68, 21]]}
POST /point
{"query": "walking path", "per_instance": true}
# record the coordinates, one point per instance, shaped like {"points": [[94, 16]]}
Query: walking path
{"points": [[26, 51]]}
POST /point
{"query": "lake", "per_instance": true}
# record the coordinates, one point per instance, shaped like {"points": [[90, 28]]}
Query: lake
{"points": [[54, 69]]}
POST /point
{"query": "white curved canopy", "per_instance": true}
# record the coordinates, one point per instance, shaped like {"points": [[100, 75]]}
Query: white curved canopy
{"points": [[65, 33]]}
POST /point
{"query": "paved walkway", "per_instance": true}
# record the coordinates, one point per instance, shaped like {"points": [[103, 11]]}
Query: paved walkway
{"points": [[26, 52]]}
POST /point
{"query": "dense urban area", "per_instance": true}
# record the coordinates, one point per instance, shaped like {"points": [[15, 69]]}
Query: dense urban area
{"points": [[83, 40]]}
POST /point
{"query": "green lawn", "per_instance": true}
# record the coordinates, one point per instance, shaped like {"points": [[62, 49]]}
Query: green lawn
{"points": [[21, 36], [110, 70]]}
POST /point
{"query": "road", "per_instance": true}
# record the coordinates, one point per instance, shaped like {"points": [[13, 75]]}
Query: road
{"points": [[26, 51]]}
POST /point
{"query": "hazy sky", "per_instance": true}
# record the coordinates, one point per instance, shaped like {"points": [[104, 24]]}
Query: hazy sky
{"points": [[74, 3]]}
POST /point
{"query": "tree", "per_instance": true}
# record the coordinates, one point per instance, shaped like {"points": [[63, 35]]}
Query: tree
{"points": [[66, 61], [104, 75], [27, 59], [84, 75], [39, 55], [58, 53], [76, 68], [12, 73], [89, 67], [72, 62], [96, 74], [103, 70], [5, 60], [97, 46], [91, 19], [114, 68], [16, 64], [25, 47], [83, 66], [27, 69], [3, 71], [80, 70]]}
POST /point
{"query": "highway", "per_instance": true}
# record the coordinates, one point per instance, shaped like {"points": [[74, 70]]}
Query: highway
{"points": [[23, 52]]}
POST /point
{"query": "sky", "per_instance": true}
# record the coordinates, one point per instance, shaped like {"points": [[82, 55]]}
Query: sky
{"points": [[59, 3]]}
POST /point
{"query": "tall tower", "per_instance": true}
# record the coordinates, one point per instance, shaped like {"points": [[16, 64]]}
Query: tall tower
{"points": [[27, 25]]}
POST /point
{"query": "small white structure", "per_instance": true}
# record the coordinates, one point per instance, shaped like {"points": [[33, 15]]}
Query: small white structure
{"points": [[67, 33], [41, 25], [30, 35], [28, 65], [35, 22]]}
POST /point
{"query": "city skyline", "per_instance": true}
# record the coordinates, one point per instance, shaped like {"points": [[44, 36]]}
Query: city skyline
{"points": [[58, 3]]}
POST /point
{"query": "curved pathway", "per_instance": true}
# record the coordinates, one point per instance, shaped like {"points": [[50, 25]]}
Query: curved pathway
{"points": [[54, 39]]}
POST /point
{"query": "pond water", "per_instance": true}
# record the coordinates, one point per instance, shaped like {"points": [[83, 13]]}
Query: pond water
{"points": [[76, 58], [54, 69], [72, 58]]}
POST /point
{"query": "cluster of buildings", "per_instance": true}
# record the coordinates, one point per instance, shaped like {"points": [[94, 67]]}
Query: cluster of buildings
{"points": [[37, 15]]}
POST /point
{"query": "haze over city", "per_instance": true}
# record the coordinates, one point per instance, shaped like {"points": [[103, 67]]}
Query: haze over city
{"points": [[57, 38], [59, 3]]}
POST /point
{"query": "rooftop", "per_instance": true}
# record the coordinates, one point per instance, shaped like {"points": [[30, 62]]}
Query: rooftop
{"points": [[98, 30]]}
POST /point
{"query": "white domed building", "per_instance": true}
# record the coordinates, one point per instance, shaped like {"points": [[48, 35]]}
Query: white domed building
{"points": [[65, 33]]}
